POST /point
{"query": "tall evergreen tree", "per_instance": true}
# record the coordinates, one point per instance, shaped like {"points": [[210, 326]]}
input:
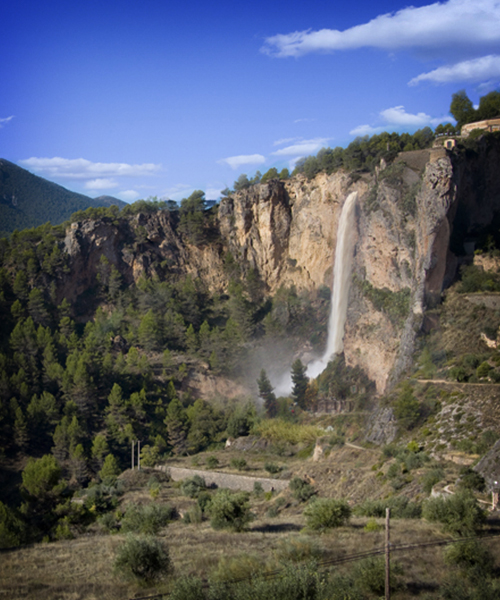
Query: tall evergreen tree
{"points": [[177, 426], [300, 382], [266, 392]]}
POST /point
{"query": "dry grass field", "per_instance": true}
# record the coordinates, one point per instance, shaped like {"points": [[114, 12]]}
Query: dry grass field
{"points": [[82, 568]]}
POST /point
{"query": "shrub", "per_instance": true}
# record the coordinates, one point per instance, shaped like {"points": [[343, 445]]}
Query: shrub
{"points": [[297, 549], [272, 512], [203, 500], [239, 463], [154, 487], [239, 567], [301, 490], [430, 479], [272, 469], [326, 513], [63, 531], [470, 556], [483, 369], [191, 487], [108, 522], [144, 559], [279, 430], [146, 519], [229, 511], [471, 480], [193, 515], [295, 583], [187, 588], [407, 407], [400, 506], [372, 525], [258, 490], [370, 575], [459, 514], [212, 462]]}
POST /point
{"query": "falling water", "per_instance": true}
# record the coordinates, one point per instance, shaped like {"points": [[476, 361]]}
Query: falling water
{"points": [[341, 279]]}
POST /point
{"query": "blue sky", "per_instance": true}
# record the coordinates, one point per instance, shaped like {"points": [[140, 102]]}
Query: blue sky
{"points": [[155, 98]]}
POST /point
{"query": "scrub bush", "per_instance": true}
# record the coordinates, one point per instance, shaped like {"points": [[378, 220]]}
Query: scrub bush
{"points": [[143, 559], [326, 513]]}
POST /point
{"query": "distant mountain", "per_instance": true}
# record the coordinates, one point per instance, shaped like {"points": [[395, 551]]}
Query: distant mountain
{"points": [[27, 200], [109, 201]]}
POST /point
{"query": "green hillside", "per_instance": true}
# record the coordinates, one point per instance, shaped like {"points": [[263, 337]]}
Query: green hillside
{"points": [[27, 200]]}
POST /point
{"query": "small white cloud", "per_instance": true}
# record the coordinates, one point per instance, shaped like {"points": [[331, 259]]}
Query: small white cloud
{"points": [[285, 141], [128, 195], [302, 148], [304, 120], [80, 168], [236, 162], [212, 193], [363, 130], [178, 190], [471, 25], [398, 116], [100, 184], [478, 69], [6, 120]]}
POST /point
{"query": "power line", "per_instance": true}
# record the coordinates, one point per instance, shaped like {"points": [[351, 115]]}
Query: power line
{"points": [[345, 559]]}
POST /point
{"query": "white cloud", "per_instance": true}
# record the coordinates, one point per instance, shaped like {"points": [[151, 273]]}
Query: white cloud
{"points": [[100, 184], [235, 162], [461, 24], [362, 130], [80, 168], [6, 120], [398, 116], [284, 141], [128, 195], [302, 148], [213, 193], [478, 69]]}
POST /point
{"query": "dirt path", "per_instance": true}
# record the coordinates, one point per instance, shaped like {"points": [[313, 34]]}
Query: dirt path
{"points": [[354, 446], [460, 384]]}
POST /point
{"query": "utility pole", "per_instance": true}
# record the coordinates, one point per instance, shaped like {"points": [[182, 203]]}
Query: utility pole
{"points": [[132, 455], [387, 555], [139, 455]]}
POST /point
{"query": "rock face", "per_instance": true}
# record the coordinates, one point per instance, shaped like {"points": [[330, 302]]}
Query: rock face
{"points": [[412, 219]]}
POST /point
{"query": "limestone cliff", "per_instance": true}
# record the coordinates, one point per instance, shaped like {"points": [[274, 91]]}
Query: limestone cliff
{"points": [[412, 220]]}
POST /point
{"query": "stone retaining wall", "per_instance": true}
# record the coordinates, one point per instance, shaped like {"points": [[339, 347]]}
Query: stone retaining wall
{"points": [[224, 480]]}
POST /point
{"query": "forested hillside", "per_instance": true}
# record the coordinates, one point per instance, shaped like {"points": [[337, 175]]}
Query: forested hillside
{"points": [[27, 200]]}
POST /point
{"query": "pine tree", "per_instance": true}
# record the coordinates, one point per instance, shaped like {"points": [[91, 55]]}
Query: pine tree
{"points": [[110, 468], [78, 464], [300, 383], [116, 415], [267, 394], [177, 426], [100, 449]]}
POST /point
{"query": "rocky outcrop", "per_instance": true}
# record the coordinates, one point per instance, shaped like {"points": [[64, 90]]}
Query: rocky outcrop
{"points": [[382, 428], [412, 219]]}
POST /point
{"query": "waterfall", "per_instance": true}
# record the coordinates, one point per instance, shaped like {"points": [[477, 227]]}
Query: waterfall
{"points": [[341, 279]]}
